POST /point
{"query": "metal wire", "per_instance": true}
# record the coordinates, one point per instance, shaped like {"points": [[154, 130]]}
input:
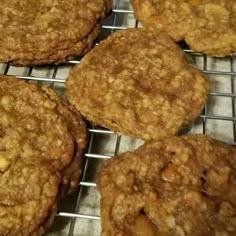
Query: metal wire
{"points": [[119, 12]]}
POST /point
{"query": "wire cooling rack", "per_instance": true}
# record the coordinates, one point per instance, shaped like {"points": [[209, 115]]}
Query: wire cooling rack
{"points": [[78, 214]]}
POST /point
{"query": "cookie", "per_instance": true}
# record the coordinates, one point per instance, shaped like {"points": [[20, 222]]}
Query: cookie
{"points": [[43, 32], [180, 186], [138, 83], [40, 155], [207, 26]]}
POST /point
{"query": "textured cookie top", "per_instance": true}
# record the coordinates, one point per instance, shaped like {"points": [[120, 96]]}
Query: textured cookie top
{"points": [[27, 193], [30, 125], [37, 32], [180, 186], [138, 83], [38, 151], [207, 26]]}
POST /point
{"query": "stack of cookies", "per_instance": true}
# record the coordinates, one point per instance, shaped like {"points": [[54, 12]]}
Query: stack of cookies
{"points": [[42, 140], [136, 82]]}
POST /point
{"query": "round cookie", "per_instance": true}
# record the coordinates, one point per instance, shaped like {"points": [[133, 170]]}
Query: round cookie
{"points": [[40, 155], [138, 83], [43, 32], [180, 186], [207, 26]]}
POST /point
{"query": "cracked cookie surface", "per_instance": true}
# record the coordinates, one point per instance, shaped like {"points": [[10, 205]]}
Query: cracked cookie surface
{"points": [[180, 186], [207, 26], [138, 83]]}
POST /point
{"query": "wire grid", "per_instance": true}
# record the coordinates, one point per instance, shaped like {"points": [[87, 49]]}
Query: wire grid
{"points": [[79, 213]]}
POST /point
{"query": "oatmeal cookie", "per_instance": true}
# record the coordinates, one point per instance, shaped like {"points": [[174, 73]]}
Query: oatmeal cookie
{"points": [[138, 83], [207, 26], [40, 155], [180, 186], [43, 32]]}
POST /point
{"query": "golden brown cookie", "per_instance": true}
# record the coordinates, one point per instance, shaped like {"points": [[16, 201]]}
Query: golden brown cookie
{"points": [[138, 83], [43, 32], [180, 186], [40, 155], [207, 26]]}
